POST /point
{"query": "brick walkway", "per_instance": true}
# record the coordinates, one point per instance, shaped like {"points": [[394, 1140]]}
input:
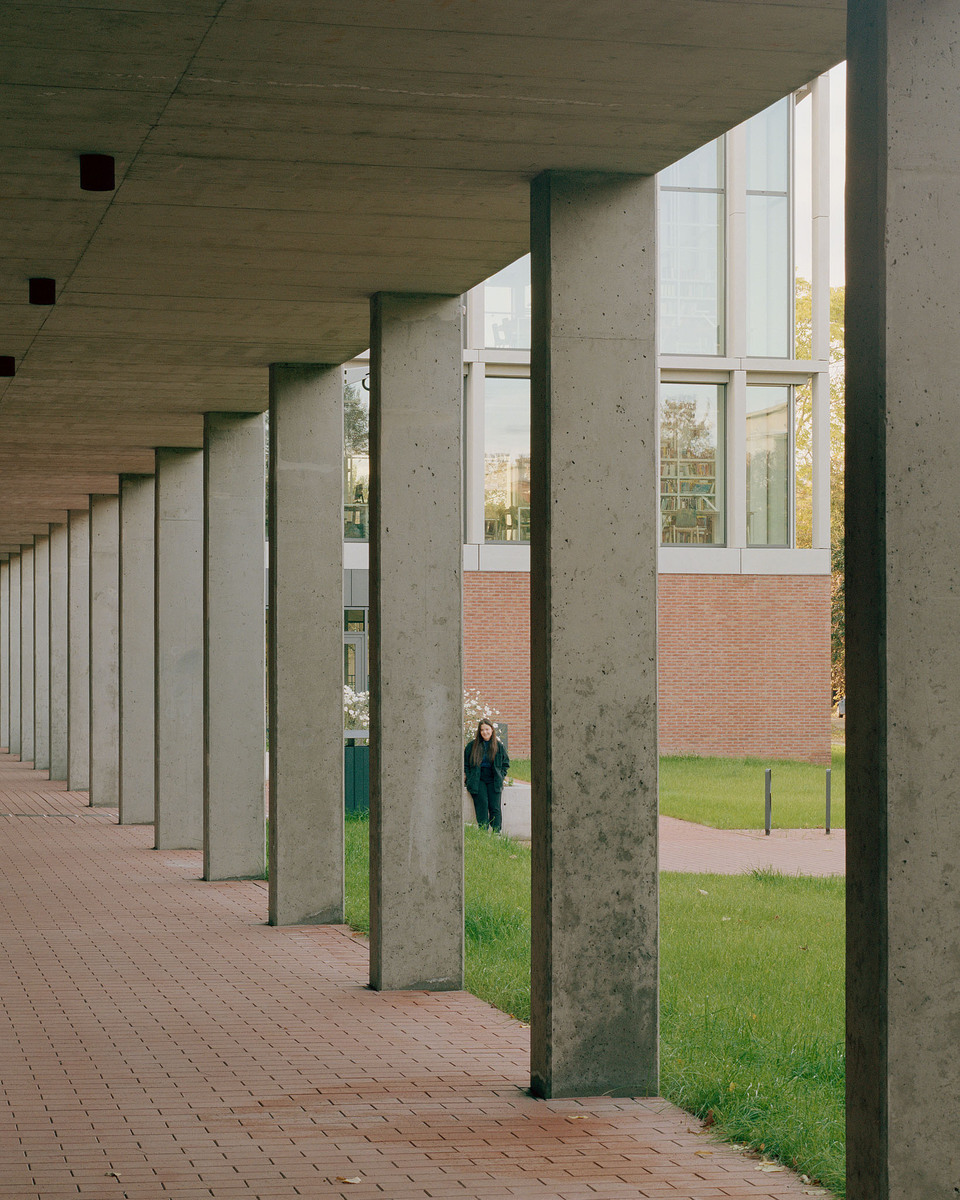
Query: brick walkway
{"points": [[157, 1040]]}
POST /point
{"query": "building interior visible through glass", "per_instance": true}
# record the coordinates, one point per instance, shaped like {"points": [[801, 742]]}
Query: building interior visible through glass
{"points": [[356, 454], [506, 460]]}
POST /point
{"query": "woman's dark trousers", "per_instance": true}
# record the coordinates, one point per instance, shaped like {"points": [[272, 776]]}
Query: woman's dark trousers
{"points": [[486, 804]]}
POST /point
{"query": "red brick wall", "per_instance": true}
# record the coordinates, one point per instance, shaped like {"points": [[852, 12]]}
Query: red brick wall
{"points": [[745, 666], [744, 661], [496, 622]]}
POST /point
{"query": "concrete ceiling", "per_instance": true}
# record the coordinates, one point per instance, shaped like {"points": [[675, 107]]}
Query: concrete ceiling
{"points": [[280, 160]]}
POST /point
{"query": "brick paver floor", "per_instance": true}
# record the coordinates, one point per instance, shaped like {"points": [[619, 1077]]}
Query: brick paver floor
{"points": [[159, 1042]]}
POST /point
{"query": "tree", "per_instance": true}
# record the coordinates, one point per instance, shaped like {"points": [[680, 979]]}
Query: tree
{"points": [[804, 443]]}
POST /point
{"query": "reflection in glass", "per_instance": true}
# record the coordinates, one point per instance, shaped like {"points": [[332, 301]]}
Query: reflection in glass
{"points": [[768, 148], [506, 458], [506, 303], [770, 287], [691, 464], [356, 455], [691, 209], [768, 466]]}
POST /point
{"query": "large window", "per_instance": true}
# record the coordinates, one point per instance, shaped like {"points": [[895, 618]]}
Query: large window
{"points": [[768, 466], [692, 253], [356, 454], [691, 464], [770, 286], [506, 303], [506, 459]]}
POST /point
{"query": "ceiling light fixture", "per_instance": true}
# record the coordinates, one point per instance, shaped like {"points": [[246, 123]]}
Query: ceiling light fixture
{"points": [[97, 173], [43, 291]]}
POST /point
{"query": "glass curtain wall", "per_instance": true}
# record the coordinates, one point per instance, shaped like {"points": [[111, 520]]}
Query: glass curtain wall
{"points": [[692, 493], [506, 460], [768, 465], [356, 454], [692, 253], [506, 303], [770, 287]]}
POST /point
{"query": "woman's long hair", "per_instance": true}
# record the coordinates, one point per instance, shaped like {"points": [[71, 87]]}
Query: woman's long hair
{"points": [[479, 745]]}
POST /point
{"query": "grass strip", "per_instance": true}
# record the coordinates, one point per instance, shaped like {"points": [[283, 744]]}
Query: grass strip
{"points": [[751, 991]]}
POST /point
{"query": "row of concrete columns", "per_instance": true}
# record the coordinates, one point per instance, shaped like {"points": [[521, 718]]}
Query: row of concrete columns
{"points": [[142, 678]]}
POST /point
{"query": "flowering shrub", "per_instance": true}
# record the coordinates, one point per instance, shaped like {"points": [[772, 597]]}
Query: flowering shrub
{"points": [[356, 711]]}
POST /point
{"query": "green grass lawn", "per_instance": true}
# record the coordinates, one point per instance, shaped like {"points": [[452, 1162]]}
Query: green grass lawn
{"points": [[751, 991], [727, 793]]}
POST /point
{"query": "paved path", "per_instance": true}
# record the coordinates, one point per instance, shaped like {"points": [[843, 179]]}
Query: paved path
{"points": [[688, 847], [158, 1040]]}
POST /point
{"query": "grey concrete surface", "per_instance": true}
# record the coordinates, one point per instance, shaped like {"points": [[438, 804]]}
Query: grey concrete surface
{"points": [[59, 551], [902, 588], [178, 590], [234, 700], [137, 682], [305, 670], [27, 716], [13, 651], [594, 983], [78, 650], [105, 651], [41, 653], [416, 642], [4, 653]]}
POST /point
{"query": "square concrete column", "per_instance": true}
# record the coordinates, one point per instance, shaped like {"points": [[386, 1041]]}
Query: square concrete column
{"points": [[305, 644], [105, 651], [59, 546], [78, 651], [5, 654], [27, 741], [903, 601], [178, 592], [234, 614], [13, 654], [416, 643], [41, 652], [594, 517], [136, 681]]}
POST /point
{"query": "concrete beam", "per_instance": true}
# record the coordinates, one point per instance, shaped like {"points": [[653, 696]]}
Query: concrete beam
{"points": [[41, 653], [59, 551], [416, 643], [136, 679], [234, 700], [178, 587], [902, 615], [78, 651], [105, 651], [27, 727], [13, 652], [305, 666], [594, 1021]]}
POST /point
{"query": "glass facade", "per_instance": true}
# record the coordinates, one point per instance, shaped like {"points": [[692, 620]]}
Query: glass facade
{"points": [[356, 454], [506, 460], [506, 300], [692, 494], [692, 217], [768, 465], [770, 287]]}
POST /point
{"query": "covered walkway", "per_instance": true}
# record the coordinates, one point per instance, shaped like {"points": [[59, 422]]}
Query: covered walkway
{"points": [[159, 1040]]}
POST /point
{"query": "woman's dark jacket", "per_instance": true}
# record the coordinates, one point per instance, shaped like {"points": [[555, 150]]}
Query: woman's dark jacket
{"points": [[501, 764]]}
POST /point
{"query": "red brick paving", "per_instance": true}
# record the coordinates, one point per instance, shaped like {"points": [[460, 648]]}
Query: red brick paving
{"points": [[159, 1042]]}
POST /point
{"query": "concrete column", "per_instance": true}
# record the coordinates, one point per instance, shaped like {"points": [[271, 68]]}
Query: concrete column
{"points": [[105, 651], [78, 651], [13, 653], [5, 654], [902, 611], [416, 643], [178, 590], [305, 666], [59, 545], [594, 682], [41, 653], [27, 740], [234, 700], [136, 681]]}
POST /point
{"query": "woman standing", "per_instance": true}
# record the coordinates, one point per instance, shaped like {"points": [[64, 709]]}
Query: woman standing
{"points": [[485, 764]]}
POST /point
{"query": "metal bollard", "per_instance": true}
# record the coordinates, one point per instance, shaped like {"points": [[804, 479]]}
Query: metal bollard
{"points": [[767, 800], [828, 799]]}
